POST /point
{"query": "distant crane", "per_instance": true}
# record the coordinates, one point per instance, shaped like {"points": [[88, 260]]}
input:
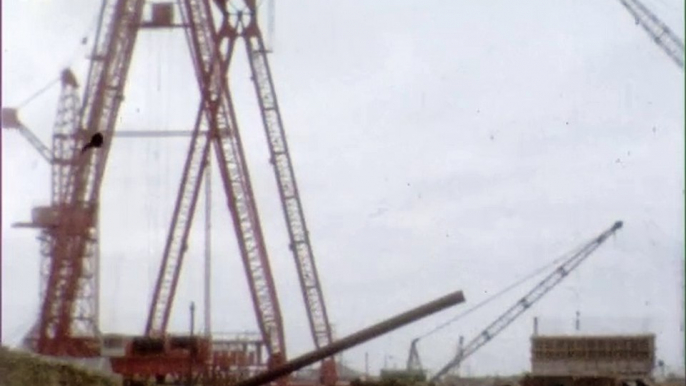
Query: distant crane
{"points": [[661, 34], [527, 301], [414, 363]]}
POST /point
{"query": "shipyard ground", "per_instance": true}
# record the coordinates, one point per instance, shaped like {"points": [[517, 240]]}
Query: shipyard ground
{"points": [[18, 368], [23, 369]]}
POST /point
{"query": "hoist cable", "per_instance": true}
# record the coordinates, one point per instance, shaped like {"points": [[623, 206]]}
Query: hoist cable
{"points": [[519, 282], [38, 93]]}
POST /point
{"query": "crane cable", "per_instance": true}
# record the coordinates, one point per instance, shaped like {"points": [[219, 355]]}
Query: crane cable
{"points": [[519, 282], [38, 93]]}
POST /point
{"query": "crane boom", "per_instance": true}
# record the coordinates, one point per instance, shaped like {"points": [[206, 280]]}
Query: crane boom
{"points": [[67, 115], [288, 191], [65, 131], [65, 128], [73, 246], [176, 243], [662, 35], [236, 179], [523, 304], [217, 116], [189, 190]]}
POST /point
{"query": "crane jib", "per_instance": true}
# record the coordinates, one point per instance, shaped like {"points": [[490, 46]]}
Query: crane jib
{"points": [[523, 304]]}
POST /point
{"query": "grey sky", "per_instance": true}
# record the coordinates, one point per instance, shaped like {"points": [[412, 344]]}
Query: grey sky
{"points": [[437, 145]]}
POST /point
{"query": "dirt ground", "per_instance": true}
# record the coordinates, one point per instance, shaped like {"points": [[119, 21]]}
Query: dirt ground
{"points": [[24, 369]]}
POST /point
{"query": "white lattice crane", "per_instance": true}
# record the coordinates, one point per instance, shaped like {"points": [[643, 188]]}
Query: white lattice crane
{"points": [[660, 33], [523, 304]]}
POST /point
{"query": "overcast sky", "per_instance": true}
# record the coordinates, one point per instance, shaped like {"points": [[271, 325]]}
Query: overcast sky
{"points": [[438, 145]]}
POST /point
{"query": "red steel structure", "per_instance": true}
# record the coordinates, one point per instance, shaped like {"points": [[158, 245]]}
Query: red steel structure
{"points": [[68, 317], [48, 219], [73, 241], [68, 323], [288, 191], [217, 118]]}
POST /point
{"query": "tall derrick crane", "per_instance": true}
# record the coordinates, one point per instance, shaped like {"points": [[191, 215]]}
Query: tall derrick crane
{"points": [[70, 223], [217, 114], [661, 34], [288, 190], [62, 330], [47, 218], [523, 304], [67, 324]]}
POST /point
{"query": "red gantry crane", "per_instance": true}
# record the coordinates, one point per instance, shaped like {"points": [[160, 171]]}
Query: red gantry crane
{"points": [[68, 315], [217, 114]]}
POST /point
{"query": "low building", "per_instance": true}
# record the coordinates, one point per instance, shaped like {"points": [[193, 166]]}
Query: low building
{"points": [[615, 356]]}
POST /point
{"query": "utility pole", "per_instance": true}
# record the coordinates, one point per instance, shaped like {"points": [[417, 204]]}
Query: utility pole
{"points": [[208, 248]]}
